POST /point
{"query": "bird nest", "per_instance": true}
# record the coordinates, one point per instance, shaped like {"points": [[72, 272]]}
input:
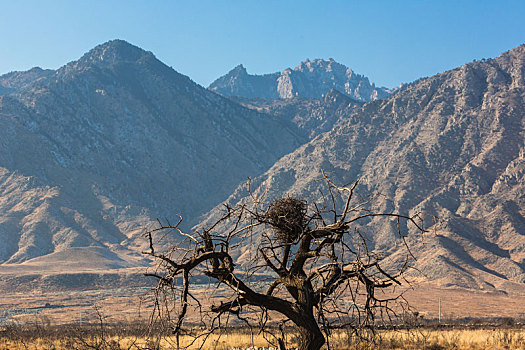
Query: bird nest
{"points": [[287, 216]]}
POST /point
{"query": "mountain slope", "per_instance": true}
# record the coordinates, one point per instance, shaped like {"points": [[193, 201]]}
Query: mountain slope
{"points": [[93, 152], [452, 145], [310, 79], [309, 117]]}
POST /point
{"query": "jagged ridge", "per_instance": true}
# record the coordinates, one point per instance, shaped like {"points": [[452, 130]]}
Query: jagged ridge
{"points": [[310, 79]]}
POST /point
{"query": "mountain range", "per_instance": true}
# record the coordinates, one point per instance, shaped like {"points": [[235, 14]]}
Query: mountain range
{"points": [[95, 151]]}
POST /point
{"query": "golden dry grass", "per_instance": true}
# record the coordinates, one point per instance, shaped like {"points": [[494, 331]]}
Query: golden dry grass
{"points": [[459, 339]]}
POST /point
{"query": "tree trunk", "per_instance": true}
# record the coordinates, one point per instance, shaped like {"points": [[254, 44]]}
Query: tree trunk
{"points": [[310, 337], [282, 345]]}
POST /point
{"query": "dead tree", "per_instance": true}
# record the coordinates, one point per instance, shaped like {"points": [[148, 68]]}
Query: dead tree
{"points": [[303, 264]]}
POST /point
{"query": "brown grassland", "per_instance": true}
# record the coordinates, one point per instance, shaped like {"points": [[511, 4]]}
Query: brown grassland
{"points": [[63, 338]]}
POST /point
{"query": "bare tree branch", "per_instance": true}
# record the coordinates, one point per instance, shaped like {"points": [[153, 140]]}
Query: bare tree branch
{"points": [[308, 263]]}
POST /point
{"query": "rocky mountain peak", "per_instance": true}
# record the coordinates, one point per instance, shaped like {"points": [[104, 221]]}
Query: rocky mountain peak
{"points": [[321, 65], [113, 52], [119, 62], [310, 79], [238, 70]]}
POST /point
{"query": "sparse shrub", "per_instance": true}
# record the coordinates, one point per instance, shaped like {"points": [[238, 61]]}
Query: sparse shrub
{"points": [[507, 321]]}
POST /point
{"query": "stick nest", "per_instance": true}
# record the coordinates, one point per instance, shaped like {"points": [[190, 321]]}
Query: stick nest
{"points": [[287, 216]]}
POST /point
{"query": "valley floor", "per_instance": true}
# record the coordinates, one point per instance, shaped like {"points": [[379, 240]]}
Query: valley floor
{"points": [[134, 304]]}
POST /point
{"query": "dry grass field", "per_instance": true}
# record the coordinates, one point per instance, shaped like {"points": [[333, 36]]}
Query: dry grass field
{"points": [[421, 338]]}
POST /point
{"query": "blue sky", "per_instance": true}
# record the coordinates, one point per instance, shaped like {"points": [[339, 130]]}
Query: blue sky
{"points": [[389, 41]]}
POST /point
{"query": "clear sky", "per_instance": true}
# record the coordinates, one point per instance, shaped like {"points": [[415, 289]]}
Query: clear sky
{"points": [[389, 41]]}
